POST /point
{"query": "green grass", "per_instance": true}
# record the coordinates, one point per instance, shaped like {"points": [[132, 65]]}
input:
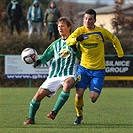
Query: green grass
{"points": [[112, 113]]}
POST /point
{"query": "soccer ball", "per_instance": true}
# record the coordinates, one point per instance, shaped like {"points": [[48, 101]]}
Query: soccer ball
{"points": [[29, 55]]}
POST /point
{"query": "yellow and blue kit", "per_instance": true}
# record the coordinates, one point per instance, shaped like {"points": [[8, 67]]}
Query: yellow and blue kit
{"points": [[92, 49], [92, 65]]}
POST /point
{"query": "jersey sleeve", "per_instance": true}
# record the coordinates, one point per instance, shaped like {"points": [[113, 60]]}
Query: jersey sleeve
{"points": [[115, 41], [72, 38], [47, 55]]}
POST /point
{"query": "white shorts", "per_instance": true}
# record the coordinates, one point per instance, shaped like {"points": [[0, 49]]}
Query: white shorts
{"points": [[53, 84]]}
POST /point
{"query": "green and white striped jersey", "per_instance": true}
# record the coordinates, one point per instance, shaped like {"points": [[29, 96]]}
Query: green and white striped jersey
{"points": [[60, 66]]}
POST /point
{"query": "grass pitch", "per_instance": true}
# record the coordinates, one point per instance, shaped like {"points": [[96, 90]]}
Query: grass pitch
{"points": [[112, 113]]}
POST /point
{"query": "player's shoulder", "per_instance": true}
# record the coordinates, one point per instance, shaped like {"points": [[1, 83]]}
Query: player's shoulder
{"points": [[56, 41], [81, 28], [101, 29]]}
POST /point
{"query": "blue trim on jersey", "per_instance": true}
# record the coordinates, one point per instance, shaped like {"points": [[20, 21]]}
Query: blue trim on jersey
{"points": [[94, 79], [99, 33]]}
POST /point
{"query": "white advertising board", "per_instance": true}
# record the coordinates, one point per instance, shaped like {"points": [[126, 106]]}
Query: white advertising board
{"points": [[15, 68]]}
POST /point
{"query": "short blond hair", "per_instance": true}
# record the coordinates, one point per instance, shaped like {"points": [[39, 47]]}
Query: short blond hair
{"points": [[66, 20]]}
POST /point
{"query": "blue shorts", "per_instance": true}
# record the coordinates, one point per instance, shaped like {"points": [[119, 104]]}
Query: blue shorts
{"points": [[94, 79]]}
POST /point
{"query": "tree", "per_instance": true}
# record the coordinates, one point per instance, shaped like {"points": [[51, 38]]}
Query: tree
{"points": [[123, 26]]}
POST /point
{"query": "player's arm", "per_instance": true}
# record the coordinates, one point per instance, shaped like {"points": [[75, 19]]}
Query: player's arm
{"points": [[45, 57], [116, 43], [72, 39]]}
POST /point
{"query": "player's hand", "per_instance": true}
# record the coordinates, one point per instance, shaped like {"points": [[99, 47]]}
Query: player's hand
{"points": [[74, 48], [81, 37], [36, 63]]}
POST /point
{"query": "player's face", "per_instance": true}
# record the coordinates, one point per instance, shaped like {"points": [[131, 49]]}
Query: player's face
{"points": [[89, 21], [63, 29]]}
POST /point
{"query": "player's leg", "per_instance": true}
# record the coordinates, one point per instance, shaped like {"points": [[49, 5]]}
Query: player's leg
{"points": [[35, 104], [48, 88], [79, 103], [96, 84], [63, 97], [80, 88]]}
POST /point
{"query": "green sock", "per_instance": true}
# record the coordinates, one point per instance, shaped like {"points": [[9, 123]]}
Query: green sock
{"points": [[62, 98], [33, 108]]}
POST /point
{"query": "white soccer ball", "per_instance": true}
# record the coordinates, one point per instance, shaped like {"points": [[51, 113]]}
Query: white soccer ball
{"points": [[29, 55]]}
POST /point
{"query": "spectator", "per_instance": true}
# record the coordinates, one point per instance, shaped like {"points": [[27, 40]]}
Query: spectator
{"points": [[35, 18], [50, 20], [14, 13]]}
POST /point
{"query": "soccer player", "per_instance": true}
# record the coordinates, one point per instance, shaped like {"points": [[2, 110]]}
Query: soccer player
{"points": [[90, 39], [61, 73]]}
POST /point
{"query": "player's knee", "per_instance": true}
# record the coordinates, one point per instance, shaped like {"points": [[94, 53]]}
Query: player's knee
{"points": [[38, 97], [67, 89], [68, 84], [94, 97], [79, 96], [93, 100]]}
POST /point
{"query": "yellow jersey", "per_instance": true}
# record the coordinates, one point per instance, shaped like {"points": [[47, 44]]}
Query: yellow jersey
{"points": [[92, 48]]}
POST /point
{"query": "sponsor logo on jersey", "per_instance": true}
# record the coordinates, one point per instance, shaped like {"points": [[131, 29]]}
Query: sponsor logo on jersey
{"points": [[64, 53], [90, 45]]}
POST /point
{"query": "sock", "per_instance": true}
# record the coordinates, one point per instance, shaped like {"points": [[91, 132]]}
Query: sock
{"points": [[62, 98], [79, 103], [34, 106]]}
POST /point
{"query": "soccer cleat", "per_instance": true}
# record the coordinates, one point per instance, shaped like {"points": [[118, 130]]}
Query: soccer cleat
{"points": [[29, 121], [78, 120], [52, 115]]}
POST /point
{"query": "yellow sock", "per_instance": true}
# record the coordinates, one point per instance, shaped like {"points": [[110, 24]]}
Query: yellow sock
{"points": [[79, 103]]}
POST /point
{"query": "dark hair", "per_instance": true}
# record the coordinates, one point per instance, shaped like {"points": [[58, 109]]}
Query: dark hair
{"points": [[92, 12]]}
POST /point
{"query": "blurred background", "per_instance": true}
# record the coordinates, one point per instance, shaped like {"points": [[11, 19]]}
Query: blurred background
{"points": [[114, 15]]}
